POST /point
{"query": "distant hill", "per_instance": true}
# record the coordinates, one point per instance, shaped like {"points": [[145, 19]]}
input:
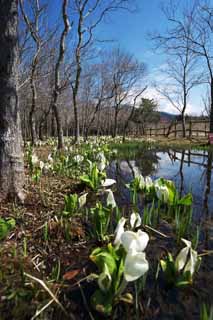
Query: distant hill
{"points": [[168, 116]]}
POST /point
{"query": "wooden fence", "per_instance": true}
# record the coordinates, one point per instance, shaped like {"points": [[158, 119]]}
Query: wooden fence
{"points": [[194, 128]]}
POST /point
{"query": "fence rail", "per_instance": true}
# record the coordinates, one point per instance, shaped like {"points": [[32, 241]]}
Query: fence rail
{"points": [[193, 128]]}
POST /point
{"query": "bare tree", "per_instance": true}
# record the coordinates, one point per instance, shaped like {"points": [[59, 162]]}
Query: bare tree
{"points": [[206, 103], [126, 73], [33, 26], [89, 14], [181, 69], [130, 117], [96, 91], [57, 81], [11, 155]]}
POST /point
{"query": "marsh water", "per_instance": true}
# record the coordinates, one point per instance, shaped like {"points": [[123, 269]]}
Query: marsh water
{"points": [[190, 170]]}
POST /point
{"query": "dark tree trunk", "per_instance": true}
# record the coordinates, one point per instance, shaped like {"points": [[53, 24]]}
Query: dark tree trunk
{"points": [[183, 120], [11, 155], [127, 123], [57, 84], [58, 124], [52, 124], [211, 109], [76, 117], [115, 130]]}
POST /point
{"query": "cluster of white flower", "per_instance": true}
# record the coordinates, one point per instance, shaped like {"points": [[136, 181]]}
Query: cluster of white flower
{"points": [[134, 243]]}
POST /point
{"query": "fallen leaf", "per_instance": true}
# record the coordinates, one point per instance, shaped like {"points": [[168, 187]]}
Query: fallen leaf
{"points": [[71, 274]]}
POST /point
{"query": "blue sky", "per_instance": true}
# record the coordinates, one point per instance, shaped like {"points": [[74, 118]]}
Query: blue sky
{"points": [[130, 32]]}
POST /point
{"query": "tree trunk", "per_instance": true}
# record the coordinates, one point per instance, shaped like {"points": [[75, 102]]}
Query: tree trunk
{"points": [[127, 123], [183, 124], [11, 155], [53, 124], [58, 125], [32, 123], [211, 110], [32, 119], [76, 117], [115, 123], [57, 84]]}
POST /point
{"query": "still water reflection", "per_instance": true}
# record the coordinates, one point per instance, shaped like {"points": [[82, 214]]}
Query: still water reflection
{"points": [[190, 170]]}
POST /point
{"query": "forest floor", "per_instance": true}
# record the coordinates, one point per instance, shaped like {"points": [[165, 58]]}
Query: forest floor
{"points": [[45, 265]]}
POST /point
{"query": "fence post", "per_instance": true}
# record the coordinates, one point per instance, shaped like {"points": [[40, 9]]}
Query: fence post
{"points": [[175, 128], [150, 132], [190, 129]]}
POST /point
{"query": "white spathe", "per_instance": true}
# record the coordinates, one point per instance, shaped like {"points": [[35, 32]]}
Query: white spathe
{"points": [[49, 158], [192, 262], [78, 158], [101, 166], [181, 258], [135, 220], [119, 231], [148, 182], [110, 201], [41, 165], [34, 158], [162, 193], [134, 240], [141, 181], [108, 182], [82, 200], [135, 265]]}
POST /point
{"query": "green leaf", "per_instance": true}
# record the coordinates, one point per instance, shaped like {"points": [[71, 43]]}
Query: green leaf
{"points": [[6, 225], [102, 257], [186, 200], [102, 302], [86, 179]]}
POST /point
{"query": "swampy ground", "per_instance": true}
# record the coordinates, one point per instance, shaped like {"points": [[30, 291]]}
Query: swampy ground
{"points": [[44, 265]]}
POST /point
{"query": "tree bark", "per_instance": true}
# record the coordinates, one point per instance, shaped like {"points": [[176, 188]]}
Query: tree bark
{"points": [[211, 109], [183, 120], [115, 131], [11, 155], [57, 84]]}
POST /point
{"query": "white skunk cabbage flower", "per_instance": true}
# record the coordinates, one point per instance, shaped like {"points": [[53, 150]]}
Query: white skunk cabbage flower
{"points": [[78, 158], [47, 166], [136, 172], [82, 200], [148, 182], [181, 258], [105, 279], [101, 166], [192, 262], [162, 193], [136, 241], [142, 183], [41, 165], [101, 157], [110, 201], [135, 220], [119, 231], [135, 265], [49, 158], [34, 158], [108, 182]]}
